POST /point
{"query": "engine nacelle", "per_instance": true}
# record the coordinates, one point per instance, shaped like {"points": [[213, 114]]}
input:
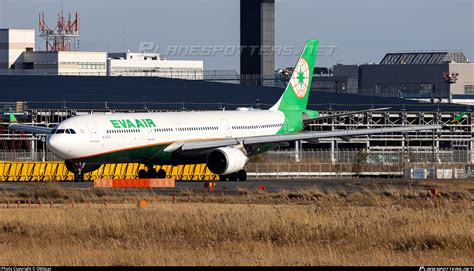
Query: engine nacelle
{"points": [[226, 160]]}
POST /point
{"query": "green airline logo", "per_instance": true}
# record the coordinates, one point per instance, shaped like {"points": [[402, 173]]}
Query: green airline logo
{"points": [[136, 123], [295, 96]]}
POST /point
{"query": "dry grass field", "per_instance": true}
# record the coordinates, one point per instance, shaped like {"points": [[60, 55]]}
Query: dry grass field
{"points": [[389, 226]]}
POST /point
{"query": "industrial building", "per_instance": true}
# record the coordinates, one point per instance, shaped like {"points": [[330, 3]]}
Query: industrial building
{"points": [[18, 57], [340, 78], [437, 75], [151, 64], [13, 42], [61, 63], [426, 76]]}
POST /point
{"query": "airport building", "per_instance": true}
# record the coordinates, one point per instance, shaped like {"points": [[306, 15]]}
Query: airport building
{"points": [[61, 63], [340, 78], [151, 64], [425, 76], [13, 42], [420, 75], [18, 57]]}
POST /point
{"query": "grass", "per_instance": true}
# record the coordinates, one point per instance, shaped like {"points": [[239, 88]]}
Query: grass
{"points": [[384, 226]]}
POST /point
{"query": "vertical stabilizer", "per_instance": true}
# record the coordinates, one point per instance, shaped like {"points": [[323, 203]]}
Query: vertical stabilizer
{"points": [[295, 96]]}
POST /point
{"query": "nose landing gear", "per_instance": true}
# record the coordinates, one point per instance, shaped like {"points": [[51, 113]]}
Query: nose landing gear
{"points": [[78, 176], [78, 168]]}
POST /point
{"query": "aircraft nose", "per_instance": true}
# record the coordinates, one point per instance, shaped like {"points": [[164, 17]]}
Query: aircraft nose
{"points": [[57, 145]]}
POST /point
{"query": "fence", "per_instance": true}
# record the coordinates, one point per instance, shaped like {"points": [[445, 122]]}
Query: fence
{"points": [[315, 156], [375, 157], [410, 163], [321, 170], [278, 164], [351, 170], [20, 156]]}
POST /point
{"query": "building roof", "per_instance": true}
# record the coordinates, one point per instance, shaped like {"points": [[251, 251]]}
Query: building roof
{"points": [[424, 58], [135, 56], [164, 93]]}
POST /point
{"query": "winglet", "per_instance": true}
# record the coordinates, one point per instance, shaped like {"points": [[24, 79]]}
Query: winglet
{"points": [[457, 119], [12, 118]]}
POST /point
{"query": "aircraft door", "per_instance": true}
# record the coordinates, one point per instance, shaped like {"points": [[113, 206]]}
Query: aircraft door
{"points": [[226, 128], [94, 136], [151, 135]]}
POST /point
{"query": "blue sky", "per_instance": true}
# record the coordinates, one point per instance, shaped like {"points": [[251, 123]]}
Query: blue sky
{"points": [[361, 30]]}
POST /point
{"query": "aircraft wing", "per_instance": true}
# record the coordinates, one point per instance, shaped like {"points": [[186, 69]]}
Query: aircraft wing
{"points": [[30, 128], [344, 114], [257, 140]]}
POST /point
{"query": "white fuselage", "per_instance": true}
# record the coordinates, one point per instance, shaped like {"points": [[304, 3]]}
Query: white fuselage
{"points": [[81, 137]]}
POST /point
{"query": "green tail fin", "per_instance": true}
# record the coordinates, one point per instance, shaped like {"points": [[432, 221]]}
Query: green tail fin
{"points": [[295, 96], [457, 119], [12, 118]]}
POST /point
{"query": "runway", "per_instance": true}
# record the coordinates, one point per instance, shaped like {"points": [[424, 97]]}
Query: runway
{"points": [[326, 185]]}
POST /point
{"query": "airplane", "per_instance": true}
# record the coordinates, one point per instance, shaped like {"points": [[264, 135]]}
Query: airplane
{"points": [[224, 140]]}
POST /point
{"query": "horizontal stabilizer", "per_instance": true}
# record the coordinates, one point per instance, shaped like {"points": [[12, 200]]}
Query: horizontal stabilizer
{"points": [[30, 128]]}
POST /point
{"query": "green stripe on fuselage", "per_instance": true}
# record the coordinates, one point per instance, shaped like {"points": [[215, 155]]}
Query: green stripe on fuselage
{"points": [[148, 154]]}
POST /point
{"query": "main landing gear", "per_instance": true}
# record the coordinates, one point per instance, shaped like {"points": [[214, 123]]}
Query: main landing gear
{"points": [[78, 168], [151, 173], [79, 176], [241, 175]]}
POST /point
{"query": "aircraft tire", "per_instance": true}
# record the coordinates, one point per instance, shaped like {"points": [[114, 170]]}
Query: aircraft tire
{"points": [[242, 175], [223, 178], [161, 174], [233, 177], [142, 174], [151, 173]]}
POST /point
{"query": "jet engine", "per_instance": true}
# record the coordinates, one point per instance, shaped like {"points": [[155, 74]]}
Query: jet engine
{"points": [[226, 160]]}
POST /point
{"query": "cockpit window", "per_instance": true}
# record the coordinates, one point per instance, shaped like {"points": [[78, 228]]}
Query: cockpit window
{"points": [[63, 131]]}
